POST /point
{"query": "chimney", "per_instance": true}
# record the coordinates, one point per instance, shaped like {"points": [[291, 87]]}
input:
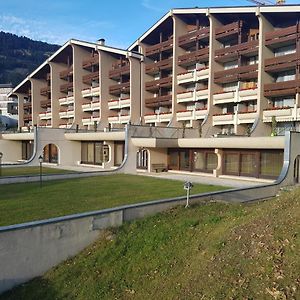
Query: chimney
{"points": [[101, 42]]}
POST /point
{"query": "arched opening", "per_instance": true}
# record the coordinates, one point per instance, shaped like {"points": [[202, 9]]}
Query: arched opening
{"points": [[142, 159], [50, 154]]}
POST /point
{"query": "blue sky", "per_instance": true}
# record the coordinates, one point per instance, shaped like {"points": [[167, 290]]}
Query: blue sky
{"points": [[120, 22]]}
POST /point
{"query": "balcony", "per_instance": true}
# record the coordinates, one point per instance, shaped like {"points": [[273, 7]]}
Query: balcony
{"points": [[45, 91], [66, 100], [66, 73], [282, 114], [247, 94], [190, 38], [232, 52], [281, 63], [27, 117], [86, 107], [224, 97], [95, 117], [118, 72], [223, 119], [226, 31], [158, 101], [282, 37], [162, 117], [247, 117], [94, 76], [193, 76], [119, 119], [91, 61], [236, 74], [45, 115], [87, 121], [195, 114], [118, 104], [155, 85], [119, 88], [192, 96], [65, 88], [154, 68], [199, 56], [45, 103], [160, 47], [91, 92], [285, 88]]}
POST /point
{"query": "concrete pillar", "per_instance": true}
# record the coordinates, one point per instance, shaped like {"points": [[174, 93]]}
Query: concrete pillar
{"points": [[135, 90], [219, 170], [36, 85], [111, 162], [20, 110]]}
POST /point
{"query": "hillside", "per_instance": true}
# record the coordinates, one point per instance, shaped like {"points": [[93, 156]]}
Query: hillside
{"points": [[19, 56], [215, 251]]}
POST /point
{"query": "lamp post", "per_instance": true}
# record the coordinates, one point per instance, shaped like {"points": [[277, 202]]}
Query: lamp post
{"points": [[40, 161], [1, 155], [187, 186]]}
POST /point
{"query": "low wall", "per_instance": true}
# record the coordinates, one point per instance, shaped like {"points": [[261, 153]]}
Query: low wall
{"points": [[28, 250]]}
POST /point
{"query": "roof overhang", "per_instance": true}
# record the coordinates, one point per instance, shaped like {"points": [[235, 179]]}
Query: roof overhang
{"points": [[96, 136]]}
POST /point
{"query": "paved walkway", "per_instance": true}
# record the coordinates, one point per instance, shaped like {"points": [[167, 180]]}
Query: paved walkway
{"points": [[83, 168], [224, 180]]}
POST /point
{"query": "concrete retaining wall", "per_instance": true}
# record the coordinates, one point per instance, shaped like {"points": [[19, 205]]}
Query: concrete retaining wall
{"points": [[29, 250]]}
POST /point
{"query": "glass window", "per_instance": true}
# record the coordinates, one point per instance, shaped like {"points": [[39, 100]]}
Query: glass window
{"points": [[271, 163], [184, 160], [98, 153], [199, 160], [248, 164], [212, 161], [90, 153], [231, 163], [84, 152]]}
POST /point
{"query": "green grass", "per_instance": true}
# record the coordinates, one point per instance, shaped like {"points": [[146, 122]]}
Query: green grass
{"points": [[215, 251], [21, 171], [27, 202]]}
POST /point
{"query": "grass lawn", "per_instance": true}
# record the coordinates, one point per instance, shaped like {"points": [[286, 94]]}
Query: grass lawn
{"points": [[19, 171], [27, 202], [215, 251]]}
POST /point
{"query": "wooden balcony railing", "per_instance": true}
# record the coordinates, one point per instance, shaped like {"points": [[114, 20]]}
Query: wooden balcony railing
{"points": [[155, 102], [91, 61], [159, 83], [193, 36], [120, 63], [235, 74], [282, 63], [285, 88], [45, 91], [164, 64], [87, 79], [200, 55], [227, 30], [27, 117], [282, 35], [66, 87], [250, 47], [160, 47], [117, 72], [45, 103], [65, 73], [120, 88]]}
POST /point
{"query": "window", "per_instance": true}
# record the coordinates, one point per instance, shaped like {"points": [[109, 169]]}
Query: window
{"points": [[94, 153], [286, 76], [271, 163]]}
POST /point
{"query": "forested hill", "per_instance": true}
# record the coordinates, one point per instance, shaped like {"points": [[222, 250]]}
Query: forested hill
{"points": [[19, 56]]}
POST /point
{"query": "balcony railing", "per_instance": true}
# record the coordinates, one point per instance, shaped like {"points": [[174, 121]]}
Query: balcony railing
{"points": [[45, 103], [119, 88], [27, 117], [282, 35], [160, 47], [200, 55], [117, 72], [159, 83], [155, 67], [64, 88], [158, 101], [282, 63], [236, 74], [45, 91], [65, 73], [158, 118], [193, 36], [282, 114], [250, 47], [91, 61], [285, 88], [87, 79], [228, 30]]}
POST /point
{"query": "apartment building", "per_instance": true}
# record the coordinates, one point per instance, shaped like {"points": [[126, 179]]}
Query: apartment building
{"points": [[230, 74]]}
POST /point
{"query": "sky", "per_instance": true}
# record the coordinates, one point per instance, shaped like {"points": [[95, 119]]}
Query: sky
{"points": [[120, 22]]}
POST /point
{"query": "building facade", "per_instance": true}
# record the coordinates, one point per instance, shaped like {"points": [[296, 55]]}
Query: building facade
{"points": [[231, 74]]}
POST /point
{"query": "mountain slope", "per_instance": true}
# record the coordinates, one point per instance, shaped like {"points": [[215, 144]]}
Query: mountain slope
{"points": [[19, 56]]}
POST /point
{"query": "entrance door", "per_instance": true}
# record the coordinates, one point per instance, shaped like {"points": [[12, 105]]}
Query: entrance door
{"points": [[184, 160], [50, 154]]}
